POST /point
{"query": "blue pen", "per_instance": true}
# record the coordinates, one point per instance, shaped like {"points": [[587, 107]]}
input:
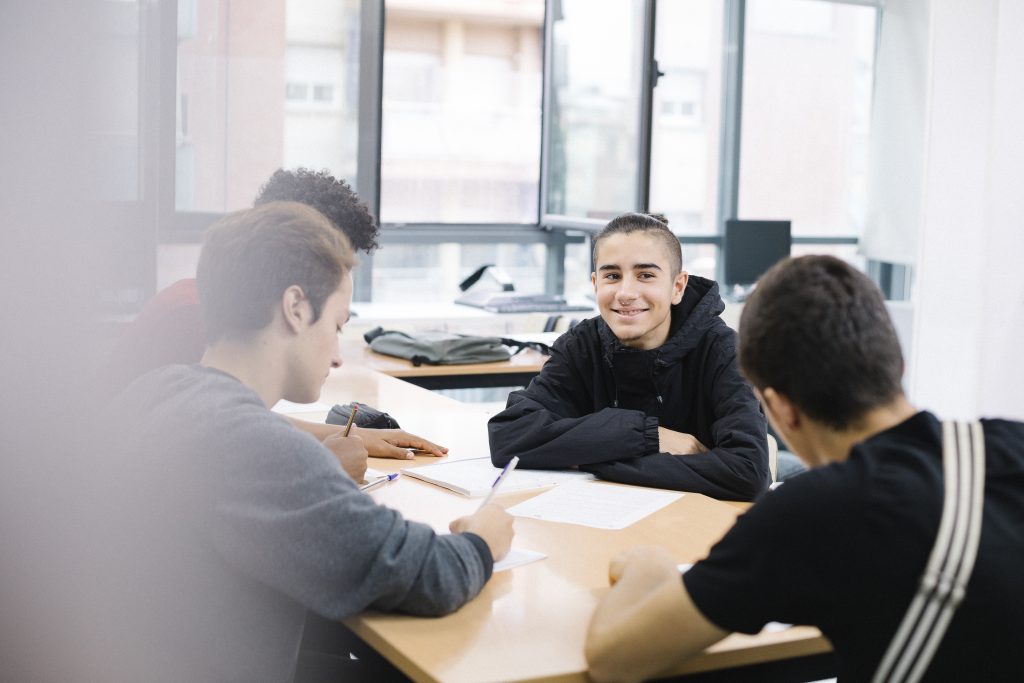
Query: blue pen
{"points": [[383, 480], [507, 470]]}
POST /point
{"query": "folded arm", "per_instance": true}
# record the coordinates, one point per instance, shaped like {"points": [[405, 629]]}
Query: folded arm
{"points": [[735, 464], [552, 423]]}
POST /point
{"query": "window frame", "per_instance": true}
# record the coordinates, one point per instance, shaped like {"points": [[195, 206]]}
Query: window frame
{"points": [[556, 231]]}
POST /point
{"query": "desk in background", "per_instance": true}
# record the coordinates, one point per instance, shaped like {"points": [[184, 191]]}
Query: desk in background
{"points": [[528, 624], [515, 372], [451, 318]]}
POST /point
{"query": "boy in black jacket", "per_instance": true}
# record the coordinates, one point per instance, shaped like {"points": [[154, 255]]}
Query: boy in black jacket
{"points": [[649, 392]]}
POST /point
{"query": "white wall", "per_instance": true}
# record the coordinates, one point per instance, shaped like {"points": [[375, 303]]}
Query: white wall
{"points": [[1002, 363], [969, 292]]}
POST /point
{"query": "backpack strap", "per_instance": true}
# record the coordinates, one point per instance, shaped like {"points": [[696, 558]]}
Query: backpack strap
{"points": [[540, 347], [943, 585]]}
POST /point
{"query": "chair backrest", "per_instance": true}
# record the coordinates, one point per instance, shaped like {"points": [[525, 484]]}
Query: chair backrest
{"points": [[773, 458]]}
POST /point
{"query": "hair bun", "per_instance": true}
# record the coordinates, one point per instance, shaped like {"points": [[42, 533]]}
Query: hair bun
{"points": [[658, 217]]}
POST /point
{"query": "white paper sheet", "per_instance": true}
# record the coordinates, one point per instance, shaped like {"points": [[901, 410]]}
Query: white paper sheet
{"points": [[287, 407], [474, 477], [372, 474], [517, 557], [596, 505]]}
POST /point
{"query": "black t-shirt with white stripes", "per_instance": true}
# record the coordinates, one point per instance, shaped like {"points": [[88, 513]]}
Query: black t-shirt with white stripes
{"points": [[843, 547]]}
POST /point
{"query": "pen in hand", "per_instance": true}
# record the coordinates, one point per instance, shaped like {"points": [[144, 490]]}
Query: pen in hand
{"points": [[507, 470], [351, 419]]}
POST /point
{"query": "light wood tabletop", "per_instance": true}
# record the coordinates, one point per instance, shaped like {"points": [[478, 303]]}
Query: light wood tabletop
{"points": [[529, 623]]}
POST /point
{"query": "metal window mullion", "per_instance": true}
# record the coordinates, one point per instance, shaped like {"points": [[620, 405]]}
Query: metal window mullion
{"points": [[648, 81], [371, 76], [162, 60], [554, 263], [547, 48], [732, 117]]}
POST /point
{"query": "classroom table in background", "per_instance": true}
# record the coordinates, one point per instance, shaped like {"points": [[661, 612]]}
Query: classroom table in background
{"points": [[515, 372], [529, 624]]}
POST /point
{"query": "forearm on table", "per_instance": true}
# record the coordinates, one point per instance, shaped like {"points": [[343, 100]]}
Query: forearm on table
{"points": [[639, 631]]}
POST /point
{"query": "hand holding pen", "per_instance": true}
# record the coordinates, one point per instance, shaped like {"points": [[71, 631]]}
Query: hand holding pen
{"points": [[505, 471], [490, 522], [349, 450], [351, 419]]}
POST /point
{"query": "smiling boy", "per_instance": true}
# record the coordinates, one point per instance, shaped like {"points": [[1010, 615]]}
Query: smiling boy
{"points": [[649, 392]]}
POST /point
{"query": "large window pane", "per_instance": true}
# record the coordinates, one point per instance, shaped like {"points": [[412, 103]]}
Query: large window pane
{"points": [[118, 170], [807, 83], [431, 273], [461, 111], [596, 77], [686, 114], [262, 84]]}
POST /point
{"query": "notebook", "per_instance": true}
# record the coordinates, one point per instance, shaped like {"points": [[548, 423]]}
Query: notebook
{"points": [[475, 476]]}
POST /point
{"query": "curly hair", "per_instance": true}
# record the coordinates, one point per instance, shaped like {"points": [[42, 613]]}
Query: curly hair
{"points": [[653, 223], [817, 330], [328, 195]]}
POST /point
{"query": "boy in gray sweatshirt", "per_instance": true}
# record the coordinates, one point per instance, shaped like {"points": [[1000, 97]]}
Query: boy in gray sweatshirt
{"points": [[230, 523]]}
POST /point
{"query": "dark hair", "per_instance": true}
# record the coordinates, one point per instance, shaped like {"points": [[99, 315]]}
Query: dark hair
{"points": [[654, 223], [249, 258], [328, 195], [816, 330]]}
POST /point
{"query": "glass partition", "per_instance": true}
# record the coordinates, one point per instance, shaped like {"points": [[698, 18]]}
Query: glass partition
{"points": [[594, 127]]}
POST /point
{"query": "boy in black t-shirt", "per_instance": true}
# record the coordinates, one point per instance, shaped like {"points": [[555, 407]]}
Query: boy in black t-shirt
{"points": [[844, 546]]}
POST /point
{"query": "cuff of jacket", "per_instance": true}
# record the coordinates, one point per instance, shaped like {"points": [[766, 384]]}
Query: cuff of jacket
{"points": [[652, 441], [485, 553]]}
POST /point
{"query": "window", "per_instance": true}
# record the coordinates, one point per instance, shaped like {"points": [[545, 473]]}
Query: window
{"points": [[430, 273], [118, 178], [460, 140], [277, 83], [686, 116], [320, 126], [261, 86], [596, 89], [296, 92], [808, 72]]}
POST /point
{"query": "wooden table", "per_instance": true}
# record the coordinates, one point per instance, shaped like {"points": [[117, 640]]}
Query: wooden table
{"points": [[515, 372], [529, 623]]}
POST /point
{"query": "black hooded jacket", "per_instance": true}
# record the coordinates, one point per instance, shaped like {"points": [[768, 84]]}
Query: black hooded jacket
{"points": [[598, 405]]}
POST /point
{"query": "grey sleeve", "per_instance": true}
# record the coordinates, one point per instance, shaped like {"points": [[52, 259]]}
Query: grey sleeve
{"points": [[283, 512]]}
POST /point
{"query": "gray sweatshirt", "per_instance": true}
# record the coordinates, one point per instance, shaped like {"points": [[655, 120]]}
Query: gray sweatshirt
{"points": [[231, 523]]}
